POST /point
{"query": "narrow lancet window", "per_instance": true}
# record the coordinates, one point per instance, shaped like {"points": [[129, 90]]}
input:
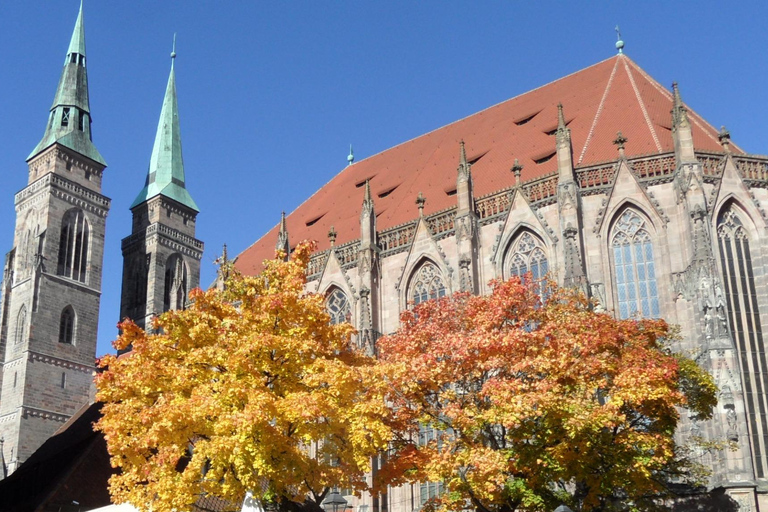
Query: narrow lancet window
{"points": [[175, 294], [67, 326], [744, 317]]}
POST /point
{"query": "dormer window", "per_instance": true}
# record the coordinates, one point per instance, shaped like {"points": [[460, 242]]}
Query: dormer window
{"points": [[65, 117]]}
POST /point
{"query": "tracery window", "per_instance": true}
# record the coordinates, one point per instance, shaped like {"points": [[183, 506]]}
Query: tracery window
{"points": [[21, 324], [527, 255], [427, 284], [67, 326], [175, 291], [744, 318], [338, 307], [634, 267], [73, 245]]}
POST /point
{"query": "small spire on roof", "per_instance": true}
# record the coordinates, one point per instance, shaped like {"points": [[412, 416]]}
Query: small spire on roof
{"points": [[462, 153], [282, 237], [332, 236], [517, 170], [351, 156], [619, 42], [619, 141], [724, 136], [420, 204], [173, 51]]}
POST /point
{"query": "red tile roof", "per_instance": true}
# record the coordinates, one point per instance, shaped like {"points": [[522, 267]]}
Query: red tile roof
{"points": [[610, 96]]}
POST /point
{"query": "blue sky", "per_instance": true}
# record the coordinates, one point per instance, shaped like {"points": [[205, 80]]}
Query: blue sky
{"points": [[271, 94]]}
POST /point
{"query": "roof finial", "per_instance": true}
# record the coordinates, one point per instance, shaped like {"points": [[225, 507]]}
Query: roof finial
{"points": [[724, 136], [619, 42], [517, 169], [332, 236], [620, 140], [351, 156], [462, 154], [420, 204], [173, 52]]}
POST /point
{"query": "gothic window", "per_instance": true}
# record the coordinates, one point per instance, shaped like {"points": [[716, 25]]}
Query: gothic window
{"points": [[175, 294], [634, 267], [73, 245], [21, 324], [67, 326], [744, 318], [426, 284], [338, 307], [527, 255]]}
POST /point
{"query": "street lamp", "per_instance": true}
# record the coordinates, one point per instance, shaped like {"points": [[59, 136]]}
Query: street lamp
{"points": [[334, 502], [563, 508]]}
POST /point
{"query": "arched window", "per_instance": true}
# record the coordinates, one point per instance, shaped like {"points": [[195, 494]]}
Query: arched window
{"points": [[21, 325], [338, 307], [527, 254], [634, 268], [175, 294], [67, 326], [73, 245], [744, 317], [427, 283]]}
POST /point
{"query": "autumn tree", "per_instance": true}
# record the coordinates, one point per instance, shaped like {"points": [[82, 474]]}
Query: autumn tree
{"points": [[249, 389], [514, 403]]}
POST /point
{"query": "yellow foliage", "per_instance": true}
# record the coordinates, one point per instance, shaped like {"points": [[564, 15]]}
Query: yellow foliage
{"points": [[250, 388]]}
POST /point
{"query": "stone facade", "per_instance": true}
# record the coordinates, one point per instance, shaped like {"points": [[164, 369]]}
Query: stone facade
{"points": [[50, 304], [678, 235]]}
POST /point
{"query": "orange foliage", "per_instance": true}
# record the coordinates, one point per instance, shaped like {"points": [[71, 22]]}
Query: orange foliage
{"points": [[538, 402]]}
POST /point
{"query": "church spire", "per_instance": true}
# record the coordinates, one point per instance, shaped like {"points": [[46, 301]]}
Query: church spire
{"points": [[69, 121], [166, 166]]}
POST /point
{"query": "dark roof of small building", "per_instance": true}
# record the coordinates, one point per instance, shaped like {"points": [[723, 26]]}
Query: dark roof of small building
{"points": [[71, 466], [599, 101]]}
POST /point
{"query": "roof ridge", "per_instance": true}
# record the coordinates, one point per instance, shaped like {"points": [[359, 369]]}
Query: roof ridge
{"points": [[642, 106], [598, 111]]}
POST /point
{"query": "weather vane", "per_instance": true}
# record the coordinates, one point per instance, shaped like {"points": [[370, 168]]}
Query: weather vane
{"points": [[619, 42]]}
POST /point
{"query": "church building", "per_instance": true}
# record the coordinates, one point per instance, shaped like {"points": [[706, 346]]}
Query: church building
{"points": [[606, 181]]}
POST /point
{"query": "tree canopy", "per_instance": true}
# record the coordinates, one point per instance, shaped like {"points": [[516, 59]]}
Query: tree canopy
{"points": [[517, 403], [249, 389]]}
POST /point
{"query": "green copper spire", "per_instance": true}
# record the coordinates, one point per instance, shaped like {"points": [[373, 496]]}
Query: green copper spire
{"points": [[166, 166], [69, 122]]}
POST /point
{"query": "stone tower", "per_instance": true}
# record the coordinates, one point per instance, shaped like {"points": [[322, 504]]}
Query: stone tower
{"points": [[161, 257], [52, 276]]}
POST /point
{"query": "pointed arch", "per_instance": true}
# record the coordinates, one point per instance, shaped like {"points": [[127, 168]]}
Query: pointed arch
{"points": [[426, 282], [21, 325], [74, 243], [631, 246], [67, 326], [526, 252], [176, 283], [741, 297], [337, 305]]}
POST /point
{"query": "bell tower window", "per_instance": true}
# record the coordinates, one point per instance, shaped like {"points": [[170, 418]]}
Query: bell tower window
{"points": [[73, 245], [65, 117]]}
